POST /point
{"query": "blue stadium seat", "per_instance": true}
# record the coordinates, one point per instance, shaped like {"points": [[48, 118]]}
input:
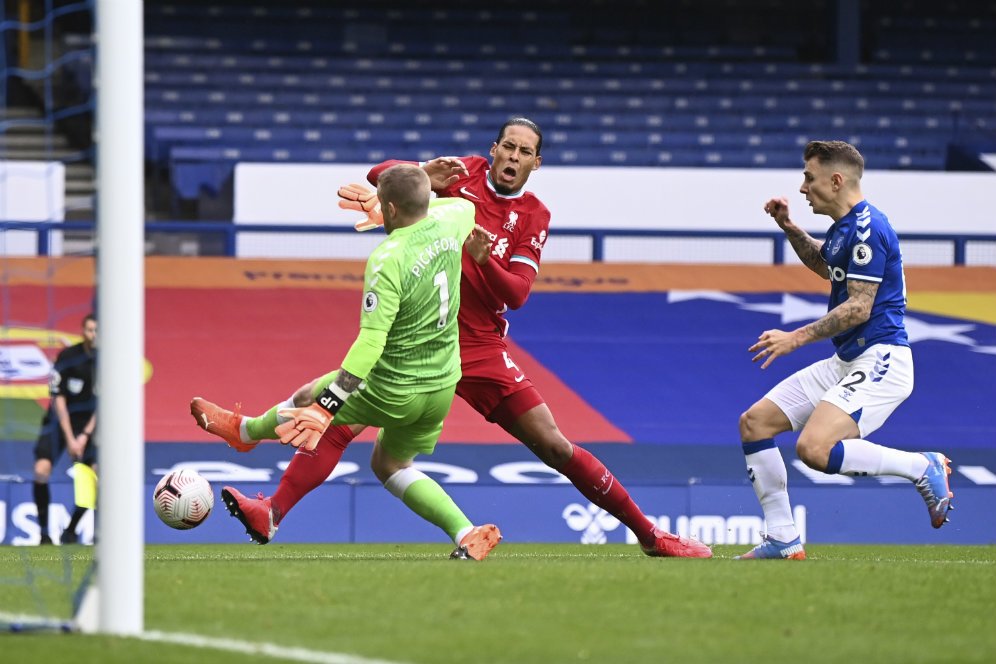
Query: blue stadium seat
{"points": [[194, 171], [412, 83]]}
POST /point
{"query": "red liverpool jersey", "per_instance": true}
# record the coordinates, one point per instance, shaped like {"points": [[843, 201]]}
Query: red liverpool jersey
{"points": [[518, 224]]}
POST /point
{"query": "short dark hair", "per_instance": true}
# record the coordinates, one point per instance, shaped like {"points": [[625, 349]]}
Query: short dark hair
{"points": [[407, 186], [88, 318], [835, 152], [522, 122]]}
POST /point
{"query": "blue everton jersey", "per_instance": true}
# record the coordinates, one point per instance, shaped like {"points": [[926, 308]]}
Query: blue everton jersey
{"points": [[864, 246]]}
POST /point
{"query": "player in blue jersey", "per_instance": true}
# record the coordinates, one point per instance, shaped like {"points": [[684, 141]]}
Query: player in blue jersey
{"points": [[837, 402]]}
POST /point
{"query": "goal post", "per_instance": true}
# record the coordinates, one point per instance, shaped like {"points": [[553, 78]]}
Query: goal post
{"points": [[121, 306]]}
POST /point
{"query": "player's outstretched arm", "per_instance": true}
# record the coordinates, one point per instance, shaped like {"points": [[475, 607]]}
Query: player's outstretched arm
{"points": [[305, 426], [363, 200], [853, 311], [805, 245], [374, 173], [444, 171]]}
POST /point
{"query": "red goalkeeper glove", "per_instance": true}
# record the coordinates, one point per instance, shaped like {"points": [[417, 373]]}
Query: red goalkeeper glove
{"points": [[305, 426], [359, 198]]}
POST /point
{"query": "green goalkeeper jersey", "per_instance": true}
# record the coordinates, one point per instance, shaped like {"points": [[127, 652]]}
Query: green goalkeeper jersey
{"points": [[412, 294]]}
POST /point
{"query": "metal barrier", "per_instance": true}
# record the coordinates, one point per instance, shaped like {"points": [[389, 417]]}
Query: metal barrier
{"points": [[228, 231]]}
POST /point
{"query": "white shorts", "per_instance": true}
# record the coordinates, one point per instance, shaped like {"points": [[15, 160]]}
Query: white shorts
{"points": [[868, 388]]}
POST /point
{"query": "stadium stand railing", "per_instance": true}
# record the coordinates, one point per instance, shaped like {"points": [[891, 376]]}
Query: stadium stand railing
{"points": [[608, 90], [953, 248]]}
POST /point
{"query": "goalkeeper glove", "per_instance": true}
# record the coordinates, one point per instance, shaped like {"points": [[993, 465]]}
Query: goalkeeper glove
{"points": [[359, 198], [305, 426]]}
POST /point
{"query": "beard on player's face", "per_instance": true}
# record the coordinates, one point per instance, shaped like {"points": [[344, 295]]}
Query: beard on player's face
{"points": [[506, 179]]}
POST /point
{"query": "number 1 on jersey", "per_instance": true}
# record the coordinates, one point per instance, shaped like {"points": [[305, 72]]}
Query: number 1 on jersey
{"points": [[443, 284]]}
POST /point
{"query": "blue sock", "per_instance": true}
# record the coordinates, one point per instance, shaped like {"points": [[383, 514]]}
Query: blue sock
{"points": [[836, 459], [758, 445]]}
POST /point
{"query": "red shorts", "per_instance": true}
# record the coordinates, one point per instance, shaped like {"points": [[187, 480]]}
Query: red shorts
{"points": [[493, 384]]}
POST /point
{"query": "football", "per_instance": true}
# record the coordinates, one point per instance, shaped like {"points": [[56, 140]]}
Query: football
{"points": [[183, 499]]}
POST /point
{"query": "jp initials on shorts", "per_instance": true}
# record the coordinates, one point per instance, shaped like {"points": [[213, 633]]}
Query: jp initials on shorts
{"points": [[868, 388]]}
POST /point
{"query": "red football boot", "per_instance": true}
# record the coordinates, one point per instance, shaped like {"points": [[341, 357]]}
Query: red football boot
{"points": [[254, 513], [671, 546]]}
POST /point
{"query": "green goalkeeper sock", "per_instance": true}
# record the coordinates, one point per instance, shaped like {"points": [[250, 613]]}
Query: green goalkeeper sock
{"points": [[425, 497], [264, 427]]}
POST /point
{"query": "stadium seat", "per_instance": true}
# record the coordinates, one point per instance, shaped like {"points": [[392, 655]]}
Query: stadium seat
{"points": [[407, 82]]}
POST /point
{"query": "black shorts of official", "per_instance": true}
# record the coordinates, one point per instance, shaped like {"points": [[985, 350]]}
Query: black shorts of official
{"points": [[51, 444]]}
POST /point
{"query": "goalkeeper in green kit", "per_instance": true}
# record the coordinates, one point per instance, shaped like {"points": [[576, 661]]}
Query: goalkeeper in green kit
{"points": [[401, 372]]}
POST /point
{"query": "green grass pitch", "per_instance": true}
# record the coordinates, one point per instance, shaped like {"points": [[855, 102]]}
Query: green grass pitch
{"points": [[537, 603]]}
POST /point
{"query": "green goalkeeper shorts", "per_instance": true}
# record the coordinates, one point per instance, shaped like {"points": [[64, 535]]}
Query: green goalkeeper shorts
{"points": [[409, 424]]}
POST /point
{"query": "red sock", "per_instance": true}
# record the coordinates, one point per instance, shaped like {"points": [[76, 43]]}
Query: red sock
{"points": [[308, 470], [599, 486]]}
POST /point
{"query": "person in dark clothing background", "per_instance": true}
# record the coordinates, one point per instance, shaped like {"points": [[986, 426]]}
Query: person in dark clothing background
{"points": [[69, 424]]}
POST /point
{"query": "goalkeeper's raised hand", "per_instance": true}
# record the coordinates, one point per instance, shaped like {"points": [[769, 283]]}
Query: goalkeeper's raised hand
{"points": [[359, 198], [306, 425]]}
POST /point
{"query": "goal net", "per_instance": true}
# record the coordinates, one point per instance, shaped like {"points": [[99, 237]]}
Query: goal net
{"points": [[47, 287]]}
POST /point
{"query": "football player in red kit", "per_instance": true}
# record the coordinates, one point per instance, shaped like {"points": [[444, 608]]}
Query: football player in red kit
{"points": [[492, 383]]}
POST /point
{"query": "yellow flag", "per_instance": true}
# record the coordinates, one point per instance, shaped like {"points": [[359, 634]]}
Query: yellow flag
{"points": [[85, 485]]}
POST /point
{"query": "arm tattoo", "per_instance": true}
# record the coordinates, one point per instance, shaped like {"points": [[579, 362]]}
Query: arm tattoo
{"points": [[853, 311], [808, 250], [347, 381]]}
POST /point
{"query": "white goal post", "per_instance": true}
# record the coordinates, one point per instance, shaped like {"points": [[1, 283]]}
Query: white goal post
{"points": [[121, 311]]}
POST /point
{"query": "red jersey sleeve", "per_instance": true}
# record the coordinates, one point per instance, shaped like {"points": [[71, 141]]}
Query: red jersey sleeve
{"points": [[375, 172], [528, 245], [512, 285]]}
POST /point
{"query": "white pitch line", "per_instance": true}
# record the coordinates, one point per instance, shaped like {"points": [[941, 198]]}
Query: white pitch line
{"points": [[265, 649], [34, 622], [213, 643]]}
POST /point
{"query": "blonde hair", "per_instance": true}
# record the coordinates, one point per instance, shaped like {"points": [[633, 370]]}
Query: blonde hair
{"points": [[408, 187]]}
